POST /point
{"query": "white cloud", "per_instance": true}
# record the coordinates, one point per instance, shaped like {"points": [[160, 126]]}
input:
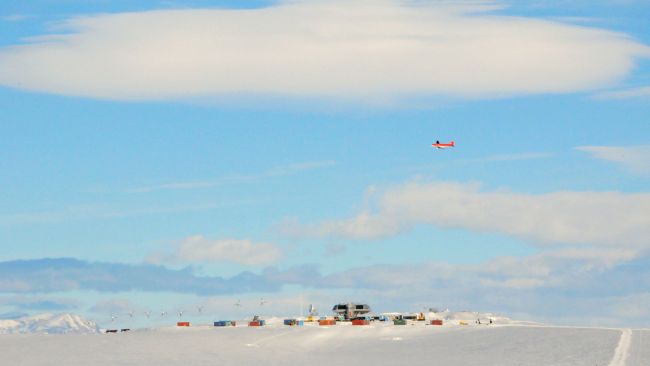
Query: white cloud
{"points": [[597, 257], [634, 158], [551, 269], [642, 92], [593, 218], [197, 249], [340, 49]]}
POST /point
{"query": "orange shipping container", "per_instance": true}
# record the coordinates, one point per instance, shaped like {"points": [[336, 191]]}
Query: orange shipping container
{"points": [[360, 322], [183, 324], [436, 322], [327, 322]]}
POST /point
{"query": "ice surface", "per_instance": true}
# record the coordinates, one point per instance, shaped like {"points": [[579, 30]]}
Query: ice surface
{"points": [[377, 344]]}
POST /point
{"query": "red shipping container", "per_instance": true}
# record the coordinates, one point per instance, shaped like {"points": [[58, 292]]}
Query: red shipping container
{"points": [[254, 324], [327, 322], [436, 322], [183, 324], [360, 322]]}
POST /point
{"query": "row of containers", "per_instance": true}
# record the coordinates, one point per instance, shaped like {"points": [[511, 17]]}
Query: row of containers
{"points": [[298, 322]]}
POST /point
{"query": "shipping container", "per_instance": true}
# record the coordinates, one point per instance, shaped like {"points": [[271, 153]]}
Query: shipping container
{"points": [[360, 322], [183, 324], [294, 322], [327, 322], [225, 323], [436, 322], [257, 323], [399, 322]]}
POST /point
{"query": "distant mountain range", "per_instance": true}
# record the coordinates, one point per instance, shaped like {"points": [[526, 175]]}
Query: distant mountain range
{"points": [[48, 324]]}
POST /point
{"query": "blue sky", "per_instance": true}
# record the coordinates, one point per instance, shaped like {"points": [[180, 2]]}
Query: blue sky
{"points": [[286, 174]]}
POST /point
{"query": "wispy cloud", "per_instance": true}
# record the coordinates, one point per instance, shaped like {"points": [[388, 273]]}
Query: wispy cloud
{"points": [[38, 303], [198, 249], [196, 184], [14, 18], [299, 167], [578, 20], [278, 171], [514, 157], [353, 50], [116, 306], [104, 211], [641, 92], [636, 159], [595, 218]]}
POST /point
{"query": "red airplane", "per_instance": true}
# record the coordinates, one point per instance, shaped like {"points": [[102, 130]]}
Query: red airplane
{"points": [[443, 146]]}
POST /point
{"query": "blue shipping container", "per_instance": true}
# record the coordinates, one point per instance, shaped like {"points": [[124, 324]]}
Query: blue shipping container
{"points": [[294, 322], [223, 323]]}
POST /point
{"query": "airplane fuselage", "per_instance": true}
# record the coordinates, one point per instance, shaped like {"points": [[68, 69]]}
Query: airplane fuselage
{"points": [[438, 145]]}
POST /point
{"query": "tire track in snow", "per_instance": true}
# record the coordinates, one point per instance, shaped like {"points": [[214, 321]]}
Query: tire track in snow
{"points": [[623, 348], [266, 339]]}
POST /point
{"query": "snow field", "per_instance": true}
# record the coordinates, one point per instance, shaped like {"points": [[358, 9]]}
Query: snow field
{"points": [[639, 351], [377, 344]]}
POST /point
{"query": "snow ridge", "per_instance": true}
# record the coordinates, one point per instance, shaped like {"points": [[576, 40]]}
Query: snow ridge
{"points": [[49, 324]]}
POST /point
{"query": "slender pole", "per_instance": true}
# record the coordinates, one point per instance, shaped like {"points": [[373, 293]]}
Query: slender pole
{"points": [[302, 314]]}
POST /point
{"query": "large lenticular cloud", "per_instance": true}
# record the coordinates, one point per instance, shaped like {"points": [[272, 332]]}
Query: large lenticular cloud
{"points": [[341, 49]]}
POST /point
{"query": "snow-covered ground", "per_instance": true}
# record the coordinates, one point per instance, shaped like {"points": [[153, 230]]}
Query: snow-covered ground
{"points": [[378, 344]]}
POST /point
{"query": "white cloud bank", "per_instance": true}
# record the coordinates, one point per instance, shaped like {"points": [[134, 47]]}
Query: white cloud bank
{"points": [[606, 219], [553, 269], [197, 249], [636, 159], [340, 49]]}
